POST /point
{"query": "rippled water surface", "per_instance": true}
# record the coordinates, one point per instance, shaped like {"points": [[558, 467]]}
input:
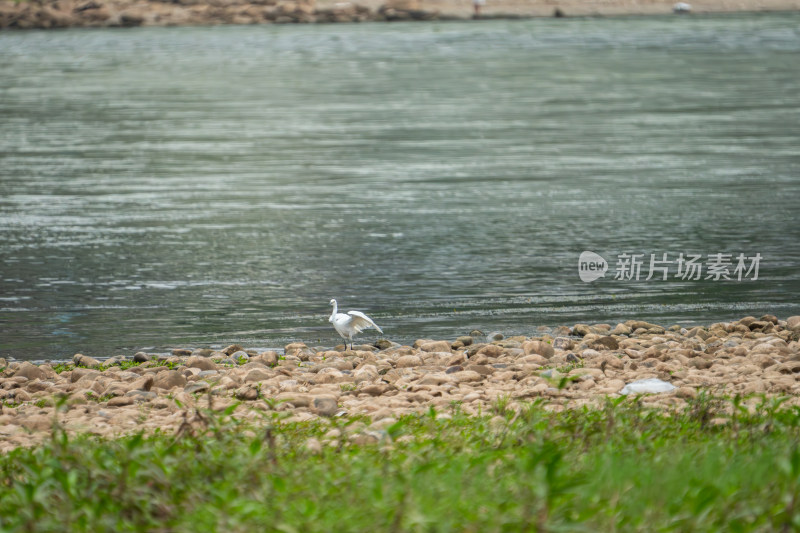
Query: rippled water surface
{"points": [[197, 186]]}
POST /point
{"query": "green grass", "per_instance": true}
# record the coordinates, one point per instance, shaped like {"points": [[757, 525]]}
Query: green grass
{"points": [[715, 466], [124, 365]]}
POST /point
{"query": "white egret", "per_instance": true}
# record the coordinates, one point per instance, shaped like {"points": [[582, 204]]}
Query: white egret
{"points": [[352, 323]]}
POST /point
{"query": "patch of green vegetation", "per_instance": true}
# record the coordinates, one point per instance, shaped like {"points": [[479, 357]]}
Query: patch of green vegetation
{"points": [[570, 366], [345, 387], [501, 404], [172, 365], [62, 367], [93, 396], [124, 365], [717, 465]]}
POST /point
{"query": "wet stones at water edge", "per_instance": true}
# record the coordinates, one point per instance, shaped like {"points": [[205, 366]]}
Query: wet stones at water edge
{"points": [[666, 367]]}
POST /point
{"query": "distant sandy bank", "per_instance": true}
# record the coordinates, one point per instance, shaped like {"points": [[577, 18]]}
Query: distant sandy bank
{"points": [[44, 14]]}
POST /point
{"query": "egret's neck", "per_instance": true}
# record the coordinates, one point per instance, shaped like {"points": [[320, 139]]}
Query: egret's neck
{"points": [[333, 314]]}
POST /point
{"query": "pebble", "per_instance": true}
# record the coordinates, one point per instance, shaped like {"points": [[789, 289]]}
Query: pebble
{"points": [[121, 401], [196, 387], [240, 357], [325, 405]]}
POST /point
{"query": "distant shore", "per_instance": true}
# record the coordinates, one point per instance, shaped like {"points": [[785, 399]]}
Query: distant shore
{"points": [[566, 368], [47, 14]]}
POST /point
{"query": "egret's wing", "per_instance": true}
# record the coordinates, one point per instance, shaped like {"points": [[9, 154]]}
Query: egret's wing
{"points": [[360, 321]]}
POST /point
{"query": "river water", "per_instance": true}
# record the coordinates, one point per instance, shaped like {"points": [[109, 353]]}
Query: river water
{"points": [[172, 187]]}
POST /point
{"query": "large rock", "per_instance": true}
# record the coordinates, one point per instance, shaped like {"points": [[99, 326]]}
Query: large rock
{"points": [[269, 358], [408, 361], [80, 373], [465, 340], [581, 330], [202, 363], [621, 329], [257, 375], [539, 348], [295, 398], [377, 389], [490, 350], [365, 373], [247, 393], [169, 379], [121, 401], [196, 387], [641, 324], [240, 357], [30, 371], [325, 405], [467, 376], [233, 348], [85, 360], [436, 346], [607, 342]]}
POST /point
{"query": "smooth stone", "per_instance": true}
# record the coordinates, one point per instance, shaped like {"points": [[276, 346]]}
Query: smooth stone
{"points": [[607, 342], [202, 363], [465, 340], [239, 355], [408, 361], [246, 393], [121, 401], [539, 348], [169, 379], [258, 375], [85, 360], [233, 348], [563, 343], [80, 373], [384, 344], [435, 346], [30, 371], [140, 395], [269, 358], [325, 405], [197, 386]]}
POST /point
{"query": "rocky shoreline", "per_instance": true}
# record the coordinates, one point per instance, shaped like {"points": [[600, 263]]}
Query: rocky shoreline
{"points": [[47, 14], [564, 367]]}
